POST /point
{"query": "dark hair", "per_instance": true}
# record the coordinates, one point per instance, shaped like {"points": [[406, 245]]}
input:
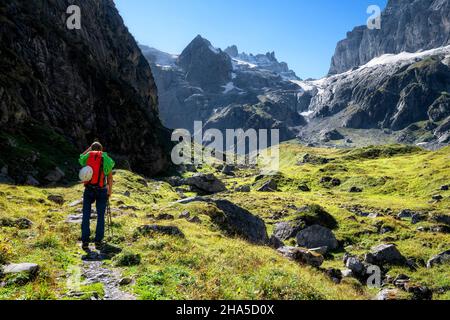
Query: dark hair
{"points": [[97, 146]]}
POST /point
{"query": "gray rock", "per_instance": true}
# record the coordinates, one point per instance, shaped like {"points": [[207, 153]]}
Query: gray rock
{"points": [[76, 203], [389, 294], [317, 236], [355, 265], [165, 216], [237, 221], [185, 215], [125, 281], [243, 189], [302, 256], [385, 254], [195, 220], [320, 250], [437, 197], [442, 218], [445, 188], [355, 190], [31, 269], [405, 214], [442, 258], [287, 230], [56, 199], [275, 242], [304, 188], [148, 230], [417, 218], [207, 183], [269, 186]]}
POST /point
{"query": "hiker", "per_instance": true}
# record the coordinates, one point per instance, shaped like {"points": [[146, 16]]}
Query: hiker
{"points": [[98, 189]]}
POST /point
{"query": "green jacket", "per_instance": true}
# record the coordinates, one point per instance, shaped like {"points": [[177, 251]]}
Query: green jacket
{"points": [[108, 163]]}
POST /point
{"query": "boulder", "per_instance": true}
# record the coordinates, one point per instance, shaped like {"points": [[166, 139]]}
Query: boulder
{"points": [[228, 170], [331, 135], [389, 294], [56, 199], [269, 186], [304, 188], [355, 265], [243, 189], [442, 218], [21, 223], [437, 197], [419, 292], [31, 181], [195, 219], [287, 230], [28, 270], [185, 215], [417, 218], [317, 236], [442, 258], [335, 275], [275, 242], [206, 183], [405, 214], [148, 230], [165, 216], [237, 221], [302, 256], [355, 190], [385, 254]]}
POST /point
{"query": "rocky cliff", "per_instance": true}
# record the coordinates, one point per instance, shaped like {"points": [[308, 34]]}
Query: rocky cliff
{"points": [[406, 25], [204, 83], [77, 85]]}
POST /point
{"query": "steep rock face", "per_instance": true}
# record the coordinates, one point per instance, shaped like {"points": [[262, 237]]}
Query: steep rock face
{"points": [[407, 25], [205, 83], [391, 92], [205, 66], [82, 84]]}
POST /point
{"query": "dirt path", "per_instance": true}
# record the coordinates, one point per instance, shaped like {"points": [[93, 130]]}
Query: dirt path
{"points": [[95, 271]]}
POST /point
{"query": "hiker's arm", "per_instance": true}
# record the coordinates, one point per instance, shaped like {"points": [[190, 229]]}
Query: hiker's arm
{"points": [[110, 184], [87, 150]]}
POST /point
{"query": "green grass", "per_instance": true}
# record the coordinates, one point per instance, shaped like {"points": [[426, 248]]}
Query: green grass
{"points": [[207, 264]]}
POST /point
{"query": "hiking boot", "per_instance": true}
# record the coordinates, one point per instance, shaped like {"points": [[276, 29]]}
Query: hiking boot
{"points": [[99, 246], [85, 246]]}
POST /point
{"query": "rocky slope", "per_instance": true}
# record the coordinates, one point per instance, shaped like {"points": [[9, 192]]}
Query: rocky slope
{"points": [[60, 89], [406, 26], [204, 82], [407, 94]]}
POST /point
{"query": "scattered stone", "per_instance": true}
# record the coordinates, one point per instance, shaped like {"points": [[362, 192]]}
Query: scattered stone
{"points": [[56, 199], [417, 218], [228, 170], [185, 215], [195, 219], [125, 282], [148, 230], [389, 294], [442, 258], [206, 183], [175, 181], [243, 189], [313, 159], [302, 256], [76, 203], [304, 188], [386, 229], [287, 230], [237, 221], [317, 236], [418, 292], [347, 273], [275, 242], [437, 197], [442, 218], [355, 265], [401, 280], [405, 214], [28, 270], [21, 223], [127, 194], [127, 259], [385, 254], [165, 216], [335, 275], [320, 250], [331, 135], [355, 190], [269, 186], [445, 188]]}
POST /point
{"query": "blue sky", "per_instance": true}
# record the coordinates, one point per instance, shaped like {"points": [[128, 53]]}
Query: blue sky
{"points": [[303, 33]]}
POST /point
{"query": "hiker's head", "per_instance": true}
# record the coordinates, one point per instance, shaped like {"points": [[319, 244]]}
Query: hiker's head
{"points": [[97, 146]]}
